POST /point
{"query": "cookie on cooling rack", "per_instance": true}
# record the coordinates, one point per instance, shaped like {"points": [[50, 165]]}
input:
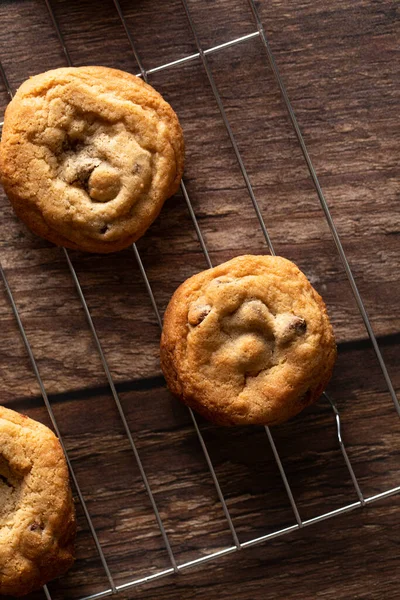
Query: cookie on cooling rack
{"points": [[37, 516], [89, 155], [248, 342]]}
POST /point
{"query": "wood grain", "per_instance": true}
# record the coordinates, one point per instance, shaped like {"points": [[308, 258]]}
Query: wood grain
{"points": [[340, 62]]}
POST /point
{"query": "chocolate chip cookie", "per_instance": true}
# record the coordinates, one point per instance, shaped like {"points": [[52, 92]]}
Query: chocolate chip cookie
{"points": [[37, 516], [89, 155], [248, 342]]}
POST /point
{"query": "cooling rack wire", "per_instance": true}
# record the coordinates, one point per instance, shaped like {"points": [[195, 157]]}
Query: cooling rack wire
{"points": [[175, 567]]}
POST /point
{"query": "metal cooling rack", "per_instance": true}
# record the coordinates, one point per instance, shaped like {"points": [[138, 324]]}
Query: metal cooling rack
{"points": [[175, 567]]}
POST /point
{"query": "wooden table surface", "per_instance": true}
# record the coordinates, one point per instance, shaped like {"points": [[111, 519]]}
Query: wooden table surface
{"points": [[340, 62]]}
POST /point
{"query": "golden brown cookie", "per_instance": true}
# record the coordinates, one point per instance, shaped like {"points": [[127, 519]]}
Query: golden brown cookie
{"points": [[37, 516], [247, 342], [89, 155]]}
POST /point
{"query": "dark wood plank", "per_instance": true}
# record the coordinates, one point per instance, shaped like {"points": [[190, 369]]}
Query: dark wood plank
{"points": [[351, 557], [340, 61]]}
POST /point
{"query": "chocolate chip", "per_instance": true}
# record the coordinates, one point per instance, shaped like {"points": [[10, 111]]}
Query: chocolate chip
{"points": [[71, 145], [82, 179], [298, 324], [198, 313], [288, 327], [35, 526], [104, 229], [305, 399], [5, 480]]}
